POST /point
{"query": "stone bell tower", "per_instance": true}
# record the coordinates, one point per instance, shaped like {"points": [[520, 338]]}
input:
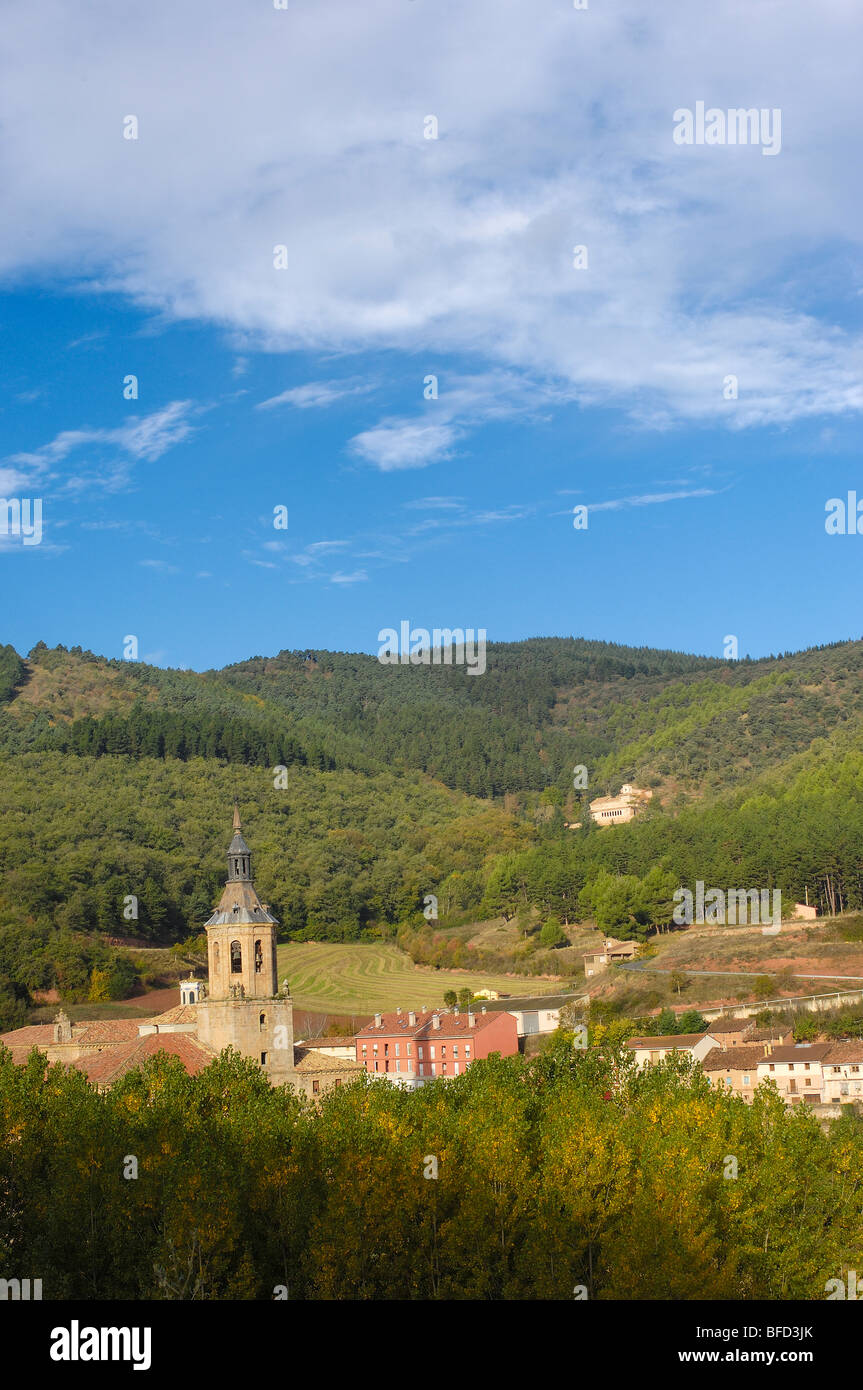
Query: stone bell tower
{"points": [[243, 1009]]}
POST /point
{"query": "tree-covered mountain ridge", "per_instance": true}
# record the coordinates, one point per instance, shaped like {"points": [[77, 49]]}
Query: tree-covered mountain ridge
{"points": [[401, 782], [678, 723]]}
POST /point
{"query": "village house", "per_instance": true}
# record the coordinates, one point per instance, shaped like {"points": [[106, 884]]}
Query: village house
{"points": [[842, 1072], [649, 1051], [334, 1047], [825, 1073], [733, 1032], [540, 1014], [597, 961], [411, 1047], [735, 1067], [796, 1070]]}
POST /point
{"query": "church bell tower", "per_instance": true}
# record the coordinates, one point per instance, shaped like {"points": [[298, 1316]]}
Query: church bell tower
{"points": [[243, 1008]]}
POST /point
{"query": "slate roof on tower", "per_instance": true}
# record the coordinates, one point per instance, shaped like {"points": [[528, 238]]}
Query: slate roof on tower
{"points": [[239, 902]]}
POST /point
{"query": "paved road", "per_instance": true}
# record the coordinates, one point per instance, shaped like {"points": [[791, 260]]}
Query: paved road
{"points": [[684, 970]]}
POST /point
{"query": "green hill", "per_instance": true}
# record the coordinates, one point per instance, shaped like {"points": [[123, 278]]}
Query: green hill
{"points": [[115, 779]]}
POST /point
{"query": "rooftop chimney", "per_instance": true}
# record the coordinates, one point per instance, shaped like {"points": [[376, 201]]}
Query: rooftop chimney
{"points": [[435, 1020], [471, 1019], [412, 1018], [455, 1010], [378, 1021], [484, 1010], [425, 1010]]}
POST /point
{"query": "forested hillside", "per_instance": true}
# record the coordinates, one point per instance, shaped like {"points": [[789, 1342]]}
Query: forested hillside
{"points": [[116, 779]]}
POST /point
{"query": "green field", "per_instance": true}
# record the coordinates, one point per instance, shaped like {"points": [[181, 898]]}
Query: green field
{"points": [[348, 979]]}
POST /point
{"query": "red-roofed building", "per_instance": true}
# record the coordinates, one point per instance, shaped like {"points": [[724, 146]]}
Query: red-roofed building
{"points": [[409, 1048]]}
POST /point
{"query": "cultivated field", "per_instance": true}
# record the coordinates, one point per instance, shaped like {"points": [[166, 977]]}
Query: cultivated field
{"points": [[349, 979]]}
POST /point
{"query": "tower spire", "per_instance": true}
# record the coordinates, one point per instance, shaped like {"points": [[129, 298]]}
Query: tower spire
{"points": [[236, 825]]}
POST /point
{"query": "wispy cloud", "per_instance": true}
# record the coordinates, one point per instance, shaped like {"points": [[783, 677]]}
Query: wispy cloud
{"points": [[145, 438], [160, 566], [646, 499], [434, 503], [315, 394], [356, 577]]}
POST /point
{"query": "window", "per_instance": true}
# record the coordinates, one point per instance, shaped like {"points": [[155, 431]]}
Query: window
{"points": [[365, 1049], [263, 1059], [338, 1081], [215, 955], [772, 1067], [431, 1053], [386, 1049], [420, 1052], [837, 1071], [316, 1088], [467, 1052], [455, 1050], [397, 1049], [236, 958], [746, 1080], [259, 958], [262, 1022]]}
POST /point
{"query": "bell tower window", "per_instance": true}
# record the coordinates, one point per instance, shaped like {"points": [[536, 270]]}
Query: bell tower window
{"points": [[259, 958], [236, 958]]}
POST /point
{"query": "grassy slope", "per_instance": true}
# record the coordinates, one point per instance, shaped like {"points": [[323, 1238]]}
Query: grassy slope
{"points": [[360, 979]]}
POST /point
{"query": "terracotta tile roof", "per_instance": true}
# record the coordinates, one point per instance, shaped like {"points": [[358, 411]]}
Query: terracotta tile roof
{"points": [[774, 1034], [810, 1052], [180, 1013], [396, 1025], [106, 1030], [669, 1040], [848, 1050], [332, 1042], [733, 1058], [307, 1060], [34, 1035], [101, 1068], [729, 1025]]}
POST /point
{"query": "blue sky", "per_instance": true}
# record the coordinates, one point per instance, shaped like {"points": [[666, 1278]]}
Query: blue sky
{"points": [[304, 386]]}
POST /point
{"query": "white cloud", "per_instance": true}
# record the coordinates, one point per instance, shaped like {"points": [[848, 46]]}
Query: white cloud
{"points": [[650, 499], [145, 437], [314, 394], [395, 444], [305, 128], [356, 577], [435, 503], [161, 566]]}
